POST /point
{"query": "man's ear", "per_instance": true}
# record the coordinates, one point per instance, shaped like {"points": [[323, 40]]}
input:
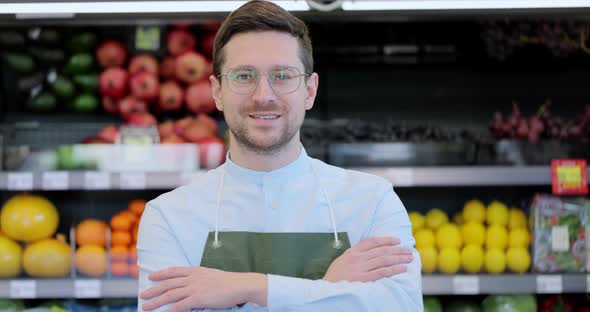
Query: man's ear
{"points": [[216, 92], [311, 90]]}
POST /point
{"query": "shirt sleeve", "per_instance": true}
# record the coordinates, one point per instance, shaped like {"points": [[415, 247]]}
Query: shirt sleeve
{"points": [[402, 292]]}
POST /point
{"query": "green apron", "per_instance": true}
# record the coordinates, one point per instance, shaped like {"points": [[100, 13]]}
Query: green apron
{"points": [[304, 255]]}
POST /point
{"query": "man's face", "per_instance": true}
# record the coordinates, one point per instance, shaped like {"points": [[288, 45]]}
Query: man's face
{"points": [[265, 120]]}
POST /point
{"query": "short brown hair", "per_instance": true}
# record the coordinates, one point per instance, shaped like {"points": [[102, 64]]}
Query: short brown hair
{"points": [[260, 15]]}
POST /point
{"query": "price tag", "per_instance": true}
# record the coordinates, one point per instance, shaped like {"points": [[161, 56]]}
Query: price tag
{"points": [[55, 181], [549, 284], [147, 38], [23, 289], [97, 180], [132, 180], [466, 285], [87, 288], [569, 176], [21, 181]]}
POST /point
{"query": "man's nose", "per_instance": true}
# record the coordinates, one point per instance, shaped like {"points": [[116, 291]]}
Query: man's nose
{"points": [[263, 92]]}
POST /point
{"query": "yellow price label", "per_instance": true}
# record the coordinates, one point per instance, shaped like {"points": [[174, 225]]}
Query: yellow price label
{"points": [[569, 175]]}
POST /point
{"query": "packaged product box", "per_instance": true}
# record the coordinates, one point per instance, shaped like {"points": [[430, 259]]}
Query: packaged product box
{"points": [[560, 230]]}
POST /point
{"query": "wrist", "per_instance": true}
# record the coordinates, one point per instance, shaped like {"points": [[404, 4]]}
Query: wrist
{"points": [[256, 288]]}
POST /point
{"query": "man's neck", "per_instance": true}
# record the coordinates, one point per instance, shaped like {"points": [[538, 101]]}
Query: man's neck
{"points": [[250, 159]]}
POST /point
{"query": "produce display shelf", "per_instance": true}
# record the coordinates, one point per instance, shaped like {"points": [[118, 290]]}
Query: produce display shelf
{"points": [[431, 285], [399, 176]]}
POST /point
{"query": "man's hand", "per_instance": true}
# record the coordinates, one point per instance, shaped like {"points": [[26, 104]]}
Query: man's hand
{"points": [[199, 287], [372, 259]]}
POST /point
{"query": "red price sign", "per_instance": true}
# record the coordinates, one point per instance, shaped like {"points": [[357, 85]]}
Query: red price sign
{"points": [[569, 176]]}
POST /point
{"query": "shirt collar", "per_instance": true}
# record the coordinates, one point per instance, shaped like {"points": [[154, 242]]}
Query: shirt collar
{"points": [[295, 168]]}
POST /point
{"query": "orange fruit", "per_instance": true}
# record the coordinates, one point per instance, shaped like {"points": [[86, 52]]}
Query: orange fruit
{"points": [[91, 232], [120, 222], [137, 206], [119, 253], [119, 268], [120, 238], [133, 254], [91, 260], [134, 270], [135, 232], [129, 215]]}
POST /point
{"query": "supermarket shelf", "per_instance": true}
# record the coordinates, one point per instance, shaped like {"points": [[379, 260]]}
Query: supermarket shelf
{"points": [[399, 176], [431, 285]]}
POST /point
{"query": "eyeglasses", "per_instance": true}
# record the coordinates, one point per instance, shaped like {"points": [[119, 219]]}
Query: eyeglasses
{"points": [[244, 80]]}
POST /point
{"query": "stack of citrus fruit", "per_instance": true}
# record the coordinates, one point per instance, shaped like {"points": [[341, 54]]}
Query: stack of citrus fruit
{"points": [[124, 226], [91, 255], [480, 239]]}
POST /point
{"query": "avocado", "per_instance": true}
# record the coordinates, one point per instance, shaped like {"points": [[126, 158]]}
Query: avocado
{"points": [[84, 42], [86, 82], [10, 38], [49, 36], [85, 103], [79, 63], [19, 62], [49, 56], [43, 102], [63, 87]]}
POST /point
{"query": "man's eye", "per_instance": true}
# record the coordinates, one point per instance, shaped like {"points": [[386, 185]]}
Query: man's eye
{"points": [[282, 76]]}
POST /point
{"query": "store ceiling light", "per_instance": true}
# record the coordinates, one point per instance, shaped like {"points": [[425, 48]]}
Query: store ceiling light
{"points": [[98, 7], [369, 5]]}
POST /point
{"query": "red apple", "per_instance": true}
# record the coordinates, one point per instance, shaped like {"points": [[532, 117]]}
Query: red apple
{"points": [[113, 82], [142, 120], [94, 140], [130, 105], [181, 124], [111, 53], [197, 131], [211, 152], [145, 86], [109, 133], [198, 97], [110, 104], [172, 139], [207, 44], [210, 122], [171, 96], [180, 41], [143, 63], [166, 128], [190, 67], [168, 68]]}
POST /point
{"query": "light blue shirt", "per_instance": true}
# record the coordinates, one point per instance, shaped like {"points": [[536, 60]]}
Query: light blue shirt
{"points": [[174, 228]]}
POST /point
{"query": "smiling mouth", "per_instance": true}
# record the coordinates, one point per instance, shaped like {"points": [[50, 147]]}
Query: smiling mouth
{"points": [[265, 116]]}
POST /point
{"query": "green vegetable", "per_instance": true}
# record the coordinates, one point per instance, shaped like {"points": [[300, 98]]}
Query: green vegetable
{"points": [[83, 42], [510, 303], [79, 63], [63, 87], [43, 102], [87, 82], [47, 55], [65, 158], [49, 36], [431, 304], [19, 62], [11, 305], [11, 39], [85, 103], [462, 306]]}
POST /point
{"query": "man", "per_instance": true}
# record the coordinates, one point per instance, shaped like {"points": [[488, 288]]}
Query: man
{"points": [[271, 229]]}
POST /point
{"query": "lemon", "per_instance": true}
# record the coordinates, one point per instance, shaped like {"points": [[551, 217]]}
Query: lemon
{"points": [[473, 233], [472, 258], [424, 238], [495, 261], [449, 260], [435, 218], [474, 210], [497, 214], [497, 237], [518, 259], [458, 218], [428, 256], [417, 220], [448, 235], [519, 237], [516, 219]]}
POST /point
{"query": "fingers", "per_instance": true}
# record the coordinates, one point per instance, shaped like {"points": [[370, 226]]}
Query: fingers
{"points": [[380, 273], [182, 306], [374, 242], [385, 251], [162, 287], [387, 261], [170, 273], [174, 295]]}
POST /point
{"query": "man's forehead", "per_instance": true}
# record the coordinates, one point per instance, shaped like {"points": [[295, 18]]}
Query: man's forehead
{"points": [[262, 50]]}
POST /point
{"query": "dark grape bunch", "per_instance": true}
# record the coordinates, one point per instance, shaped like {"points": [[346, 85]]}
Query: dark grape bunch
{"points": [[542, 125], [560, 37]]}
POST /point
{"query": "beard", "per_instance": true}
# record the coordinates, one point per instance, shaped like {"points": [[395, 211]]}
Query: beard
{"points": [[261, 143]]}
